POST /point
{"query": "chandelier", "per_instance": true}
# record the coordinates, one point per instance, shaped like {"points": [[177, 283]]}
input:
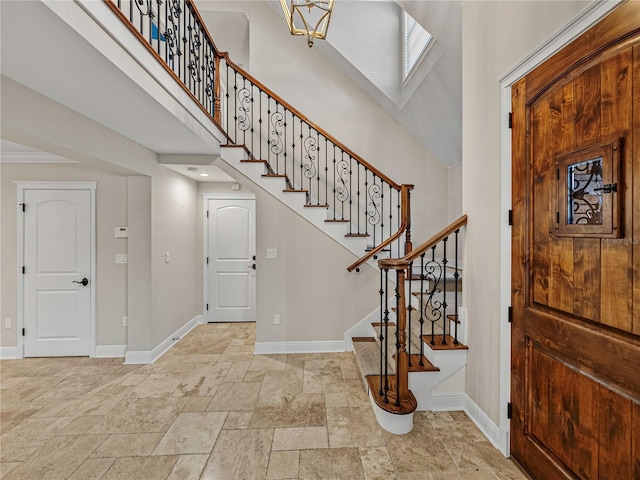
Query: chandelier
{"points": [[312, 23]]}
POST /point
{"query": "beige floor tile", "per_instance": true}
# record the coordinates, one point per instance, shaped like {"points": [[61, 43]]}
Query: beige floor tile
{"points": [[356, 393], [237, 372], [100, 404], [188, 467], [336, 464], [300, 438], [240, 455], [303, 410], [7, 467], [196, 404], [377, 463], [140, 415], [254, 376], [26, 389], [141, 468], [503, 467], [197, 386], [353, 427], [80, 425], [235, 396], [283, 465], [336, 400], [24, 439], [323, 376], [128, 445], [58, 458], [268, 362], [92, 469], [192, 433], [421, 450], [286, 382], [465, 475], [158, 385], [237, 420]]}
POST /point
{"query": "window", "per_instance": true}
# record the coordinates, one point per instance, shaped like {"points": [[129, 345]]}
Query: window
{"points": [[416, 40]]}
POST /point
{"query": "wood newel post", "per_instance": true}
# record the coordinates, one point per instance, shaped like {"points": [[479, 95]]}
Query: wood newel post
{"points": [[216, 91], [402, 359], [406, 216]]}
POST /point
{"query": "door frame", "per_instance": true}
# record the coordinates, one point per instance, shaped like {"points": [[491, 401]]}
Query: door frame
{"points": [[580, 24], [46, 185], [205, 240]]}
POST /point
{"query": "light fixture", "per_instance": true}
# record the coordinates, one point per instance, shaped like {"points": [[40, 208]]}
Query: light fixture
{"points": [[192, 170], [313, 23], [203, 174]]}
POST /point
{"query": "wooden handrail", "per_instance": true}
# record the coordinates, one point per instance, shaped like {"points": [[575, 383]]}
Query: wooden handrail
{"points": [[405, 225], [403, 263]]}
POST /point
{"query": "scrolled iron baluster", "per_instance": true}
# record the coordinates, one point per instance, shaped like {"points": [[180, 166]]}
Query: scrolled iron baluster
{"points": [[275, 142], [432, 272], [244, 106], [374, 213], [342, 187], [310, 146]]}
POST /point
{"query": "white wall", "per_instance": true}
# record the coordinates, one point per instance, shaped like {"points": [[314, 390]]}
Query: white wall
{"points": [[169, 208], [308, 284], [312, 84], [111, 211], [496, 36]]}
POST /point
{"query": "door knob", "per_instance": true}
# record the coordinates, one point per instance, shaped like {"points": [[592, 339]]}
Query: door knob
{"points": [[84, 282], [252, 266]]}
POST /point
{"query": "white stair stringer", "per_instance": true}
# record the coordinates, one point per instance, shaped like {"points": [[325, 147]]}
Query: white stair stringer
{"points": [[254, 171], [422, 383]]}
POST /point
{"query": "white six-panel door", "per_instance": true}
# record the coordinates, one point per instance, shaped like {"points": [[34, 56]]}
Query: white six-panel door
{"points": [[231, 249], [57, 257]]}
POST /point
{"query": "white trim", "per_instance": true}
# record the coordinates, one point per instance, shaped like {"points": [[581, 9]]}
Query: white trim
{"points": [[9, 353], [46, 185], [110, 351], [321, 346], [498, 437], [361, 329], [448, 402], [392, 422], [205, 240], [143, 357], [581, 23]]}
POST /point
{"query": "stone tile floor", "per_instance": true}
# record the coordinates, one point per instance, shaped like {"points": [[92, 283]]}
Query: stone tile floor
{"points": [[210, 409]]}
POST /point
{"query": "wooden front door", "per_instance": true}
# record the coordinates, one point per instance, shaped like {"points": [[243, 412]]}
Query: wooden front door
{"points": [[576, 258]]}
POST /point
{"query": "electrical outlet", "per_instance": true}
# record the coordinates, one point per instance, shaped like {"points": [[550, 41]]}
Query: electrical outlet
{"points": [[272, 253], [125, 321], [276, 319], [7, 322]]}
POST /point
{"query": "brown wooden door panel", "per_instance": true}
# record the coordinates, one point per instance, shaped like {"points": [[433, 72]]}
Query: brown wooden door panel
{"points": [[576, 299]]}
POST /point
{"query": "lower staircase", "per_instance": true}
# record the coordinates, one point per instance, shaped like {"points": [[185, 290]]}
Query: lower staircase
{"points": [[415, 344]]}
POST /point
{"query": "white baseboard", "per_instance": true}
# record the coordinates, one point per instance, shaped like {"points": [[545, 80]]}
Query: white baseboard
{"points": [[142, 357], [110, 351], [9, 353], [451, 402], [263, 348], [498, 437]]}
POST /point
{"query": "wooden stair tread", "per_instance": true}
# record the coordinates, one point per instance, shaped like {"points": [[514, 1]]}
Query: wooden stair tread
{"points": [[438, 343], [252, 160], [453, 317], [317, 205], [357, 235], [337, 221], [426, 366], [406, 407], [274, 175], [363, 339], [380, 324], [292, 190]]}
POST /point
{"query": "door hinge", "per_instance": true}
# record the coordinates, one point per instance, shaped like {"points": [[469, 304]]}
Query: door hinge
{"points": [[207, 306], [557, 174], [207, 260], [24, 269], [609, 188], [510, 120], [207, 213], [510, 314], [24, 207], [509, 410], [557, 218], [510, 217], [24, 330]]}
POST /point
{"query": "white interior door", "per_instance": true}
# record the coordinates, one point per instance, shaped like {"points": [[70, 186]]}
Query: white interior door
{"points": [[231, 260], [57, 257]]}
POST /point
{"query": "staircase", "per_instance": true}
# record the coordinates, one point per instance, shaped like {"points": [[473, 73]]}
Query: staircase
{"points": [[415, 344], [412, 346]]}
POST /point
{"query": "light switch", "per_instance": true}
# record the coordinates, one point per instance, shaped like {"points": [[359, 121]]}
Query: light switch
{"points": [[167, 257], [122, 258], [272, 253]]}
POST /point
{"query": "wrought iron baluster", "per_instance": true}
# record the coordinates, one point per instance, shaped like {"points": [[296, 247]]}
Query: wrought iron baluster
{"points": [[409, 309], [358, 200], [386, 337], [318, 153], [456, 276], [381, 335], [421, 309], [326, 175], [444, 290]]}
